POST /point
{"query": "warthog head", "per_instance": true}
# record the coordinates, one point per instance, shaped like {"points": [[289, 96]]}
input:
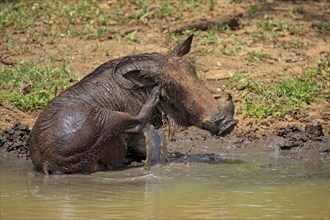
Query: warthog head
{"points": [[184, 97]]}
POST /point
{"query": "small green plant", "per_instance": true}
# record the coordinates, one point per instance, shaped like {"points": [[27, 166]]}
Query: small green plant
{"points": [[165, 10], [257, 37], [296, 44], [323, 26], [189, 32], [188, 4], [293, 30], [299, 10], [274, 25], [132, 37], [211, 39], [235, 77], [298, 90], [141, 10], [257, 56], [271, 25], [222, 28], [99, 32], [321, 75], [323, 67], [30, 86], [212, 5], [253, 10], [236, 1], [260, 107], [228, 50], [238, 80]]}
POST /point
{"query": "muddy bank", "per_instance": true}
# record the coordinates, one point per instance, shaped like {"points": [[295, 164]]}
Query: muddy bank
{"points": [[307, 144], [196, 145], [14, 140]]}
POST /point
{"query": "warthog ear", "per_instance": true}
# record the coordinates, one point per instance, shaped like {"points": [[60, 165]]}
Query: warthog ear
{"points": [[138, 71], [140, 78], [183, 47]]}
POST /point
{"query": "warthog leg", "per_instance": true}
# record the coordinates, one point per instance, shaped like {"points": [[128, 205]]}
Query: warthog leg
{"points": [[164, 152], [145, 113], [150, 144], [156, 150]]}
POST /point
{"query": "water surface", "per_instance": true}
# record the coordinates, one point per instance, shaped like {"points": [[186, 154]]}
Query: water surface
{"points": [[226, 189]]}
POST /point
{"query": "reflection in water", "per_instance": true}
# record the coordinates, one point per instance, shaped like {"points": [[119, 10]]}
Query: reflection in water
{"points": [[228, 189]]}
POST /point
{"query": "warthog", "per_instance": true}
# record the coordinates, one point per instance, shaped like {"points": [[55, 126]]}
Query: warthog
{"points": [[92, 125]]}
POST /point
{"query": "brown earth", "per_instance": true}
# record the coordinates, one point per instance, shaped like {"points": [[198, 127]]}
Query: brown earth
{"points": [[212, 64]]}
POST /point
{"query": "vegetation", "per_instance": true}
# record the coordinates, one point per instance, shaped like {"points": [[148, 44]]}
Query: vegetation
{"points": [[296, 44], [257, 56], [92, 19], [264, 98], [299, 10], [30, 86], [323, 27]]}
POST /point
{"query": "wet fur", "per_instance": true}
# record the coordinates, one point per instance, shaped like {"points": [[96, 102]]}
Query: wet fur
{"points": [[87, 127]]}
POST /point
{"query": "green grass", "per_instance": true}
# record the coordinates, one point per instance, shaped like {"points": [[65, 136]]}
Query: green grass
{"points": [[253, 10], [205, 41], [91, 19], [299, 10], [271, 30], [236, 1], [132, 37], [294, 44], [277, 99], [228, 50], [167, 10], [237, 79], [30, 86], [257, 56], [57, 19], [270, 23], [261, 99], [259, 37], [323, 27]]}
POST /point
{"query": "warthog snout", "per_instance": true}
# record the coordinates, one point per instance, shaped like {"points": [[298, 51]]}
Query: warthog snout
{"points": [[222, 123]]}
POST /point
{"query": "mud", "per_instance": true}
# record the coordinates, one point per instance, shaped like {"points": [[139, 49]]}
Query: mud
{"points": [[193, 144], [292, 137], [14, 140]]}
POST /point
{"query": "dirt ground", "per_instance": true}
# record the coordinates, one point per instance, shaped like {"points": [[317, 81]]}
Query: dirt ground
{"points": [[213, 66]]}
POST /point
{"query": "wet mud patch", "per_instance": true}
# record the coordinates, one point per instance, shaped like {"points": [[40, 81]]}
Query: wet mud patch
{"points": [[289, 142], [14, 140], [292, 138], [194, 145]]}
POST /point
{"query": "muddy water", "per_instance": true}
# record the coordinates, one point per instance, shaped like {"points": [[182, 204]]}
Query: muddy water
{"points": [[226, 188]]}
